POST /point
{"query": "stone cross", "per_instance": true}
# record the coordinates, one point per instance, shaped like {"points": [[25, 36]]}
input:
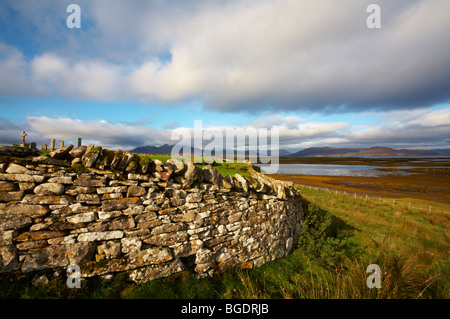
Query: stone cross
{"points": [[23, 138], [52, 144]]}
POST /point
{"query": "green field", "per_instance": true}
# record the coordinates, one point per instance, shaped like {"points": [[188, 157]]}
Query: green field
{"points": [[342, 236]]}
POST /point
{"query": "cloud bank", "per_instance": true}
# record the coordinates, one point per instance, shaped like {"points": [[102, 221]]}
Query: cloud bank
{"points": [[417, 129], [234, 56]]}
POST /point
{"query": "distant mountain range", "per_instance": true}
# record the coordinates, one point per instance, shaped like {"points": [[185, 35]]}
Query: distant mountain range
{"points": [[166, 149], [318, 151], [373, 151]]}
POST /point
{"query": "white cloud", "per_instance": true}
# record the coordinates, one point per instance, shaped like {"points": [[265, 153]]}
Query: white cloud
{"points": [[104, 133], [242, 55], [294, 133]]}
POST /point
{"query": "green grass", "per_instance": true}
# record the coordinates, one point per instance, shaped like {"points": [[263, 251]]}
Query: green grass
{"points": [[223, 168], [230, 168], [45, 153], [342, 236]]}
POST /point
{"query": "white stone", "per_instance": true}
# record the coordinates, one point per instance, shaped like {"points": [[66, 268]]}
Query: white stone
{"points": [[82, 218], [49, 189], [16, 169], [130, 244], [61, 180], [95, 236], [104, 215]]}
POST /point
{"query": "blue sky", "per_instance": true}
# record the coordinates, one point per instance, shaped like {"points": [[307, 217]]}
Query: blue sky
{"points": [[137, 70]]}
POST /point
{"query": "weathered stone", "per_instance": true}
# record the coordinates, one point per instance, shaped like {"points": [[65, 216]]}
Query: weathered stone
{"points": [[132, 166], [11, 196], [211, 175], [13, 221], [136, 210], [149, 224], [242, 182], [193, 173], [75, 190], [152, 272], [61, 180], [137, 259], [136, 191], [25, 186], [109, 250], [122, 223], [185, 217], [76, 160], [17, 151], [88, 198], [188, 249], [130, 245], [118, 204], [179, 168], [28, 210], [168, 228], [116, 159], [112, 196], [6, 237], [79, 253], [165, 176], [82, 218], [39, 235], [167, 210], [49, 189], [88, 182], [58, 256], [50, 161], [8, 259], [32, 245], [126, 159], [203, 268], [50, 257], [16, 169], [204, 255], [109, 190], [21, 178], [166, 239], [138, 177], [234, 217], [60, 153], [92, 156], [7, 186], [78, 152], [194, 197], [96, 236], [47, 200]]}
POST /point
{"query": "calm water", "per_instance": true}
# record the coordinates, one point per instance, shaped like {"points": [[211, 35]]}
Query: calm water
{"points": [[330, 169]]}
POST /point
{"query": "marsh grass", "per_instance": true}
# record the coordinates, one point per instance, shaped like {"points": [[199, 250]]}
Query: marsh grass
{"points": [[342, 236]]}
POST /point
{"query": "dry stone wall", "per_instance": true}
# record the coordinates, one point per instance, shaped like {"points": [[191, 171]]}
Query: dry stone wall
{"points": [[113, 213]]}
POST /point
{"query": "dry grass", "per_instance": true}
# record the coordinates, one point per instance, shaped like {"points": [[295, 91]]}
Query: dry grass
{"points": [[410, 246]]}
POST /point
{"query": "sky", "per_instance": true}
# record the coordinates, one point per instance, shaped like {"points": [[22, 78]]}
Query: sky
{"points": [[136, 72]]}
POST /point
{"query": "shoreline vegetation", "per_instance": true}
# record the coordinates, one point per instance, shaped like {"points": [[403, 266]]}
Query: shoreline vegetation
{"points": [[343, 234]]}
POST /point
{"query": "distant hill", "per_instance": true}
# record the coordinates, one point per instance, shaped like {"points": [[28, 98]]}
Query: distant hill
{"points": [[373, 151], [445, 151], [166, 149]]}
